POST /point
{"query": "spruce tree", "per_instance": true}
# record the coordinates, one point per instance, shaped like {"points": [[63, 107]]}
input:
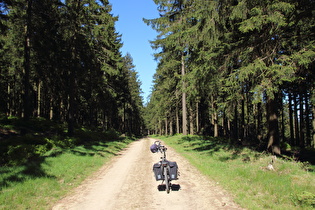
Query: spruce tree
{"points": [[174, 36]]}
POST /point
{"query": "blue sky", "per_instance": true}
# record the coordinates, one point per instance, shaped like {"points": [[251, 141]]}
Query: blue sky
{"points": [[136, 35]]}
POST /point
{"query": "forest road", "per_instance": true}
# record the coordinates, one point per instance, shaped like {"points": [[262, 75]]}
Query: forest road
{"points": [[128, 182]]}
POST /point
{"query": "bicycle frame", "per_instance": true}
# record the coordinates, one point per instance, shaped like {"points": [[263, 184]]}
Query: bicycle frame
{"points": [[165, 166]]}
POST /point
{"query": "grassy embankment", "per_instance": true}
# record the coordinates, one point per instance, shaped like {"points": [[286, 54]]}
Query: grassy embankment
{"points": [[39, 168], [244, 173]]}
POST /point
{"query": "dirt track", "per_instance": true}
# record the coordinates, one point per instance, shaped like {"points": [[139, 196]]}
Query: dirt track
{"points": [[127, 182]]}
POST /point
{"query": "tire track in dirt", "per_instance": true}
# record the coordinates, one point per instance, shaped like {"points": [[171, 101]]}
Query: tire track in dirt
{"points": [[128, 182]]}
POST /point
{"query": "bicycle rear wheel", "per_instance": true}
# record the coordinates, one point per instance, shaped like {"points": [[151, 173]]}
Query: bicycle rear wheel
{"points": [[166, 179]]}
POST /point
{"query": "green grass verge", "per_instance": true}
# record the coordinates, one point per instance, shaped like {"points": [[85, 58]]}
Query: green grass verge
{"points": [[39, 184], [243, 172]]}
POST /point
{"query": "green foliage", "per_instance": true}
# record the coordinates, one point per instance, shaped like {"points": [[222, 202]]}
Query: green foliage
{"points": [[44, 138], [240, 56], [305, 56], [77, 74], [305, 199]]}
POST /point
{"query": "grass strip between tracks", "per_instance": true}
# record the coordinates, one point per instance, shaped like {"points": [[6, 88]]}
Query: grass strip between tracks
{"points": [[245, 174], [39, 184]]}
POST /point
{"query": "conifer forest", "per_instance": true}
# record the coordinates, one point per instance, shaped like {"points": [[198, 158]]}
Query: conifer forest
{"points": [[237, 69], [61, 60], [242, 69]]}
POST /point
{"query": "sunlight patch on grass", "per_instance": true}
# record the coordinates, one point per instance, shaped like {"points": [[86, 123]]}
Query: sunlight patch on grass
{"points": [[39, 184]]}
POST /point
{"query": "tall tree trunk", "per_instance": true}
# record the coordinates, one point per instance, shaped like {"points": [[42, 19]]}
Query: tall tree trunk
{"points": [[259, 122], [51, 108], [282, 122], [312, 101], [166, 126], [235, 124], [197, 118], [184, 104], [229, 128], [26, 64], [302, 122], [71, 103], [273, 127], [191, 121], [171, 127], [155, 132], [224, 124], [242, 133], [248, 127], [307, 120], [72, 88], [72, 73], [214, 118], [159, 129], [9, 104], [296, 121], [216, 124], [291, 120], [177, 114], [124, 118], [177, 121], [313, 123], [39, 99]]}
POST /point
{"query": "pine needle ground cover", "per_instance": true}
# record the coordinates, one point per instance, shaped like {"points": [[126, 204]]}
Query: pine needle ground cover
{"points": [[245, 173]]}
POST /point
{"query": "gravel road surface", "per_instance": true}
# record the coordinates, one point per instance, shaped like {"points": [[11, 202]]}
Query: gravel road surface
{"points": [[127, 182]]}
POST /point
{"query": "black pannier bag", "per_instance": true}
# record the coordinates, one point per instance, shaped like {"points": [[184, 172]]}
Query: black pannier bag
{"points": [[173, 170], [157, 169]]}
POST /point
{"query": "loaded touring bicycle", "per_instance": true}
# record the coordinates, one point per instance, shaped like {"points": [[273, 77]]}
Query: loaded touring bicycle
{"points": [[164, 170]]}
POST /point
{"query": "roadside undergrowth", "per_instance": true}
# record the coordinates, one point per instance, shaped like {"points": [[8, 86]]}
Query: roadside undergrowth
{"points": [[40, 181], [256, 180], [40, 162]]}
